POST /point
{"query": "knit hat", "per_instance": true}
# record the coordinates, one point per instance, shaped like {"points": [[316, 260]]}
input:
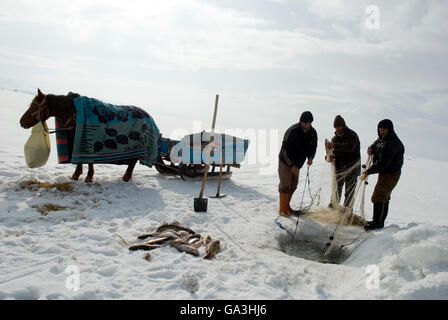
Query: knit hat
{"points": [[339, 122], [306, 117], [386, 124]]}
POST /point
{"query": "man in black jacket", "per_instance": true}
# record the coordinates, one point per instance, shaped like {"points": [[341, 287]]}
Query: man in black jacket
{"points": [[388, 154], [347, 159], [299, 144]]}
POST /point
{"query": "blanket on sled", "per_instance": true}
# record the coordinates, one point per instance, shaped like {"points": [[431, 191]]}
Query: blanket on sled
{"points": [[194, 149], [106, 133]]}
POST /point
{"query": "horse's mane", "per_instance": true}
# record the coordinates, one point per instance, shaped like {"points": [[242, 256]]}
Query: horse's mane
{"points": [[61, 106]]}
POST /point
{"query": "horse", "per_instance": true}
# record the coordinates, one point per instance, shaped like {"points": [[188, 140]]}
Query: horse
{"points": [[45, 106]]}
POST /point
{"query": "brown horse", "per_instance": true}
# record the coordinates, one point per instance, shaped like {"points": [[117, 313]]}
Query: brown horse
{"points": [[45, 106]]}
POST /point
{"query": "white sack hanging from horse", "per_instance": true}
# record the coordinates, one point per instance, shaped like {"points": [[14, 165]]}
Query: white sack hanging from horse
{"points": [[90, 131]]}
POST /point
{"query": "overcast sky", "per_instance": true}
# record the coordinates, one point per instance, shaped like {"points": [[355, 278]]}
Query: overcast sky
{"points": [[269, 60]]}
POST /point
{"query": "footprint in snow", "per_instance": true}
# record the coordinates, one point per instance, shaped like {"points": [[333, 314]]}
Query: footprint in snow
{"points": [[107, 272]]}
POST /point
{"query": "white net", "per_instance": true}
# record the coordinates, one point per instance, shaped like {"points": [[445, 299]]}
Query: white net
{"points": [[342, 222], [351, 211], [347, 215]]}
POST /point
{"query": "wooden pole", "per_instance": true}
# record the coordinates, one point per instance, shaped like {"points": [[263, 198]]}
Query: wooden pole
{"points": [[211, 148]]}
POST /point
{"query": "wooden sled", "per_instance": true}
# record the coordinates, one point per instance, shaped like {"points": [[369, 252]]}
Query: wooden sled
{"points": [[193, 172], [190, 165]]}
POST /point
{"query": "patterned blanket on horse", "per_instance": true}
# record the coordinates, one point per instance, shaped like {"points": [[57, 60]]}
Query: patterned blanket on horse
{"points": [[63, 142], [107, 133]]}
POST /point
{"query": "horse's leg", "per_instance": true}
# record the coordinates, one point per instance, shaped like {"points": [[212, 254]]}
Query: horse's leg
{"points": [[78, 172], [128, 175], [89, 177]]}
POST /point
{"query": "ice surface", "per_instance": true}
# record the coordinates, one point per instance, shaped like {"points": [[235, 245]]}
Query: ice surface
{"points": [[411, 253]]}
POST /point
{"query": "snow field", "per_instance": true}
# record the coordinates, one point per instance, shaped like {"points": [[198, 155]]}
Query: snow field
{"points": [[35, 250]]}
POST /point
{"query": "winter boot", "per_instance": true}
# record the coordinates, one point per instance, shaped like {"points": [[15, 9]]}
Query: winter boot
{"points": [[378, 212], [284, 205], [384, 215], [290, 210]]}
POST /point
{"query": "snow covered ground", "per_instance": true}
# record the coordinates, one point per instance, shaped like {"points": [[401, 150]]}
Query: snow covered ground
{"points": [[407, 260]]}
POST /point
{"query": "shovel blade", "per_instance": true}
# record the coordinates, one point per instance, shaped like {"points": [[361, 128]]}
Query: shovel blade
{"points": [[218, 196], [200, 204]]}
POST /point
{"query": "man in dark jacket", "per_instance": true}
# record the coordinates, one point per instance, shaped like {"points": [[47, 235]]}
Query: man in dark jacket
{"points": [[299, 144], [347, 159], [388, 152]]}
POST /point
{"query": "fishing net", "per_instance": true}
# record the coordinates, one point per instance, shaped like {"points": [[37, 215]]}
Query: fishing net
{"points": [[352, 208], [341, 221], [347, 215], [350, 212]]}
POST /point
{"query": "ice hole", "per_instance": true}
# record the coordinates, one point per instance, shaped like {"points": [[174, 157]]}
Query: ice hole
{"points": [[312, 251]]}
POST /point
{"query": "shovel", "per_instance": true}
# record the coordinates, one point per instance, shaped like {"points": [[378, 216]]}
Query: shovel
{"points": [[218, 196], [220, 173], [200, 204]]}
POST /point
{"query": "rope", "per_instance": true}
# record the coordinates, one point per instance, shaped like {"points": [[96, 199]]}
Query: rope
{"points": [[301, 202], [353, 241], [309, 191], [51, 131], [337, 177], [365, 166], [40, 108], [354, 249], [283, 228], [344, 212]]}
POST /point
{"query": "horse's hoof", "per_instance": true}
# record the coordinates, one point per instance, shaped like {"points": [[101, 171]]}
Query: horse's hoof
{"points": [[75, 178], [88, 180], [126, 178]]}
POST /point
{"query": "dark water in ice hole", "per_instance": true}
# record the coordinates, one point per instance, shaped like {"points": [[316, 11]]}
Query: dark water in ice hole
{"points": [[311, 250]]}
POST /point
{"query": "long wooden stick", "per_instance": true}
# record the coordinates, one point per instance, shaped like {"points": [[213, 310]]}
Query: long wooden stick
{"points": [[208, 154], [219, 181], [220, 171]]}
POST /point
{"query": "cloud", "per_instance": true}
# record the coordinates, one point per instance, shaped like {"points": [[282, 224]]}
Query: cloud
{"points": [[192, 34], [268, 63], [337, 10], [404, 25], [435, 103]]}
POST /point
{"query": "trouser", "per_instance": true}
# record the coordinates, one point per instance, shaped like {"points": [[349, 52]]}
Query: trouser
{"points": [[349, 178], [383, 189], [288, 181]]}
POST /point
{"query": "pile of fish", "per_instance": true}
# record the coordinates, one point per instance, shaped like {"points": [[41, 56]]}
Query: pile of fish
{"points": [[180, 237]]}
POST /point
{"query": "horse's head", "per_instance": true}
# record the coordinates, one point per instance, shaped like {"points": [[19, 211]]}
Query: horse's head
{"points": [[38, 111]]}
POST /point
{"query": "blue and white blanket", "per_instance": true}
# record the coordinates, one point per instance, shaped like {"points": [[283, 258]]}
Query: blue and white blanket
{"points": [[197, 149], [107, 133]]}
